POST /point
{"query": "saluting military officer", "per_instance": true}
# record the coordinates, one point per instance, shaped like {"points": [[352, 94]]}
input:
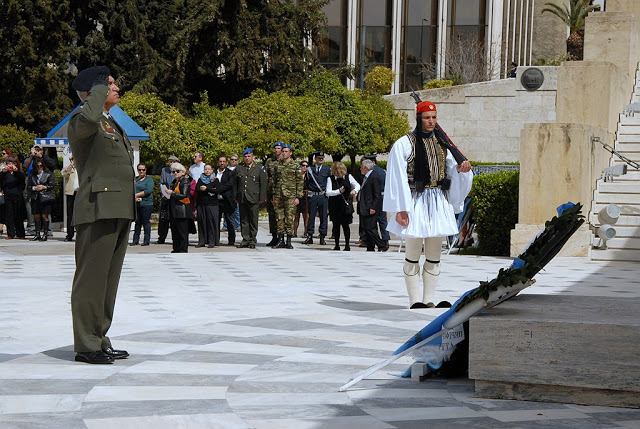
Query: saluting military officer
{"points": [[104, 208], [288, 185], [251, 190], [270, 168]]}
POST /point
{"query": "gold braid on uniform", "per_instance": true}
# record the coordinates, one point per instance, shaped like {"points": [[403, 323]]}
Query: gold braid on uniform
{"points": [[435, 161]]}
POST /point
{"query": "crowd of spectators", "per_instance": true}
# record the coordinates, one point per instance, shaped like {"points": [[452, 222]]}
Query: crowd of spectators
{"points": [[201, 199]]}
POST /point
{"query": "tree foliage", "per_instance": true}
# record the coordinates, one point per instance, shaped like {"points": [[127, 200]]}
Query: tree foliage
{"points": [[15, 138], [573, 15], [379, 80]]}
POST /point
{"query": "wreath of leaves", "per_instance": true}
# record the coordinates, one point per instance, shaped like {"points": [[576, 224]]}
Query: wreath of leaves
{"points": [[544, 247]]}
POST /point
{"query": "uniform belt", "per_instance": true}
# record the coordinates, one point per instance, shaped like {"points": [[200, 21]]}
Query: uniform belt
{"points": [[312, 193], [445, 184]]}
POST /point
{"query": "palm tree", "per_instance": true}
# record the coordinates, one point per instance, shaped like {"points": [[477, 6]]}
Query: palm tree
{"points": [[573, 15]]}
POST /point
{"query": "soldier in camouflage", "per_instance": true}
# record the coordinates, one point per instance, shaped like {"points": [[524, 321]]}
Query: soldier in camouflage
{"points": [[287, 186], [270, 168]]}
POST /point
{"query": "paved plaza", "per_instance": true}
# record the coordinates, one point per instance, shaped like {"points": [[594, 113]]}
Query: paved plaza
{"points": [[237, 338]]}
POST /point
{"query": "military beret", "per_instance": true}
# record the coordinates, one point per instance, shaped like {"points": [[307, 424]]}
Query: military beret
{"points": [[278, 144], [91, 76], [288, 146], [247, 150]]}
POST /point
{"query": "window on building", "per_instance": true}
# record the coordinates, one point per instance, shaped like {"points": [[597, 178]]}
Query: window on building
{"points": [[419, 39], [467, 20], [374, 36], [332, 50]]}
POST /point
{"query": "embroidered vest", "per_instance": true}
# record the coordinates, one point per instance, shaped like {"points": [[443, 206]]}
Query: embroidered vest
{"points": [[436, 161]]}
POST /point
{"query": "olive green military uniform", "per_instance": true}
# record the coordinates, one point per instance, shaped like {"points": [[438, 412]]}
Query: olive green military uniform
{"points": [[251, 189], [104, 208], [270, 168], [288, 185]]}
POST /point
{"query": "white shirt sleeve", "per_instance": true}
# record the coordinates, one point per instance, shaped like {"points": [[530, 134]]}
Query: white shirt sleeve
{"points": [[397, 194], [354, 183], [330, 191], [460, 184]]}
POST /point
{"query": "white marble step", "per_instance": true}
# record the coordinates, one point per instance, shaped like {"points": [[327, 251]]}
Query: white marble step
{"points": [[632, 221], [630, 120], [628, 129], [623, 243], [628, 138], [604, 198], [627, 147], [615, 255], [626, 187], [631, 175], [626, 231]]}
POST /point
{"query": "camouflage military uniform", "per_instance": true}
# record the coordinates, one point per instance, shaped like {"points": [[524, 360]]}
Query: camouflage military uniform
{"points": [[287, 186], [270, 168]]}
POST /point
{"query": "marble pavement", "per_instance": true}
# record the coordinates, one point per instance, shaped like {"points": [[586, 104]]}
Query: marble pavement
{"points": [[261, 339]]}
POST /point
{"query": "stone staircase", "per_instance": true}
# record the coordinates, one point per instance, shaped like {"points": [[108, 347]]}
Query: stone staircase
{"points": [[623, 191]]}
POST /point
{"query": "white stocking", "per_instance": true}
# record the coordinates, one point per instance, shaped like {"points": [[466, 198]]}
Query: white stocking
{"points": [[431, 268], [411, 268]]}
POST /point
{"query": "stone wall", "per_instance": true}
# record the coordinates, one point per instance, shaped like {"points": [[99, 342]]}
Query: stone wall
{"points": [[485, 119]]}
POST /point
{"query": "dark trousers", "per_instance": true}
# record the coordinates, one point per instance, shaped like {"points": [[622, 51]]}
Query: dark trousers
{"points": [[249, 222], [163, 225], [382, 221], [228, 219], [336, 231], [318, 203], [100, 251], [208, 225], [143, 219], [13, 217], [180, 235], [70, 229], [370, 225]]}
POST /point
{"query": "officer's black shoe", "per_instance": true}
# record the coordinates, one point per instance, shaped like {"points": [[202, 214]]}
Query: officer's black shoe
{"points": [[243, 245], [288, 244], [97, 356], [280, 244], [116, 354], [322, 240], [346, 248], [309, 240], [444, 304], [38, 237], [273, 241], [252, 246]]}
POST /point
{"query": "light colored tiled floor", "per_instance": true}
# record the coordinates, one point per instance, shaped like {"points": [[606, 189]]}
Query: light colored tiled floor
{"points": [[259, 338]]}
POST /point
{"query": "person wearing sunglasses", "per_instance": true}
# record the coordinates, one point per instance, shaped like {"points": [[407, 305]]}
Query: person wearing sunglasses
{"points": [[144, 206], [179, 208]]}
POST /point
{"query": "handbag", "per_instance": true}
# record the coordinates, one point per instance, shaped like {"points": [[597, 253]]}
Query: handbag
{"points": [[349, 209], [1, 198], [46, 196]]}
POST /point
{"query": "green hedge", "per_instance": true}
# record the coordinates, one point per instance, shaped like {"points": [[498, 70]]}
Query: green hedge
{"points": [[495, 210]]}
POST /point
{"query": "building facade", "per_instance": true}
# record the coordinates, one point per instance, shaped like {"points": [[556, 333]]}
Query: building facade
{"points": [[413, 37]]}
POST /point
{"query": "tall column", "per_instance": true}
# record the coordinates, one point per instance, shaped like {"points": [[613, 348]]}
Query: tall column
{"points": [[396, 40], [495, 38], [441, 49], [352, 29]]}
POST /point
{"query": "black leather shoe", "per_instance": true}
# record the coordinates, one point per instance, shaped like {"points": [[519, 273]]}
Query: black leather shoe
{"points": [[242, 245], [133, 244], [309, 240], [116, 354], [200, 245], [444, 304], [98, 357], [159, 242], [273, 241], [144, 244], [68, 239], [418, 305], [211, 246], [322, 242], [252, 246], [383, 249]]}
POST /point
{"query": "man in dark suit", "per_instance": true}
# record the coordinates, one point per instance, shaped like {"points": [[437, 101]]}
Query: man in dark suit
{"points": [[369, 205], [104, 209], [224, 186], [250, 190], [382, 215], [316, 184]]}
